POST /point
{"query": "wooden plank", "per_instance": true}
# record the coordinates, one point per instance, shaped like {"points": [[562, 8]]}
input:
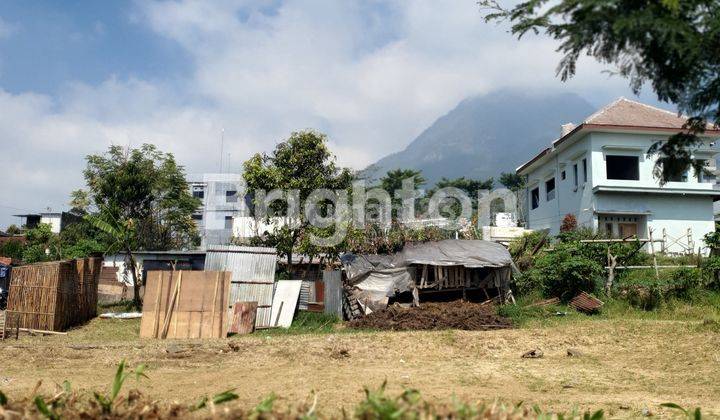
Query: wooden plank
{"points": [[191, 304]]}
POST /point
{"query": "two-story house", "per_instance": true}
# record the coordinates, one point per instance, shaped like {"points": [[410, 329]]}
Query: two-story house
{"points": [[600, 172]]}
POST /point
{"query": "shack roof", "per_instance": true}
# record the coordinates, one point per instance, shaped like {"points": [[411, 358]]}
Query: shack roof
{"points": [[450, 252]]}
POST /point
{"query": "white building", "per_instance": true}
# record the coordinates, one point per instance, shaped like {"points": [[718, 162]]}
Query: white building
{"points": [[223, 199], [600, 172], [57, 220]]}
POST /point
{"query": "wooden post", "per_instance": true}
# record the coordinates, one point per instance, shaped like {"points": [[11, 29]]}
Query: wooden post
{"points": [[652, 251], [612, 263], [212, 315], [691, 244], [665, 239]]}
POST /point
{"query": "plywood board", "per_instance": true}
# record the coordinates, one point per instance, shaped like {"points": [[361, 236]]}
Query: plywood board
{"points": [[185, 304], [243, 321], [284, 302]]}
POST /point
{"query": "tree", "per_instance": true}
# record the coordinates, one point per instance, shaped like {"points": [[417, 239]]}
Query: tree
{"points": [[516, 184], [13, 230], [392, 182], [468, 186], [512, 181], [303, 163], [42, 245], [671, 44], [140, 201]]}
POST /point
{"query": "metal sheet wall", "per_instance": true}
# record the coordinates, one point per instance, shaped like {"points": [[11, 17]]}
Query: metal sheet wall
{"points": [[333, 292], [253, 278]]}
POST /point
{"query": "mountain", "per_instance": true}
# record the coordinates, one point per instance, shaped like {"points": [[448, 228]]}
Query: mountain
{"points": [[486, 135]]}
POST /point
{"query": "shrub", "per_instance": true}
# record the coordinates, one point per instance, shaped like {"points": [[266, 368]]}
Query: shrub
{"points": [[563, 272], [569, 223], [643, 290]]}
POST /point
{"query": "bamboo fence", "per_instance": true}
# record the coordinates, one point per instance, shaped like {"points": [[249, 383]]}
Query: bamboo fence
{"points": [[55, 296]]}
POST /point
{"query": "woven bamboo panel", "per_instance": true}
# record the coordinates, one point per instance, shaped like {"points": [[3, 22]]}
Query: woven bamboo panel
{"points": [[54, 296]]}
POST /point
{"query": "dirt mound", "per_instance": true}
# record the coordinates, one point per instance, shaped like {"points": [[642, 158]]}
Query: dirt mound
{"points": [[458, 315]]}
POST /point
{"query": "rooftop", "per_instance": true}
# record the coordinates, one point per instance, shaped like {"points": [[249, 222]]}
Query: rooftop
{"points": [[623, 114]]}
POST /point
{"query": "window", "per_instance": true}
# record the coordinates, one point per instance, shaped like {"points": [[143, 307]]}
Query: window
{"points": [[535, 197], [622, 167], [231, 196], [550, 189], [199, 194], [228, 222], [679, 178], [197, 217], [575, 175], [584, 163], [705, 176], [562, 175]]}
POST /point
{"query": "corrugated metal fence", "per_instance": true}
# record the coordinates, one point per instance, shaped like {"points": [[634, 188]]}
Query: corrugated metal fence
{"points": [[333, 292], [253, 278]]}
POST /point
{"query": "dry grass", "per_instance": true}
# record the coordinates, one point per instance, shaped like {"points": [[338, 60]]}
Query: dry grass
{"points": [[626, 366]]}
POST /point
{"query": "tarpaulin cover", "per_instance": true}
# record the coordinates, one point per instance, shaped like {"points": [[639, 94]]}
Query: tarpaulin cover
{"points": [[470, 254], [381, 276]]}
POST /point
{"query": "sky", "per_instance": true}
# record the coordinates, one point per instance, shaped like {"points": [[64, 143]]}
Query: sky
{"points": [[79, 76]]}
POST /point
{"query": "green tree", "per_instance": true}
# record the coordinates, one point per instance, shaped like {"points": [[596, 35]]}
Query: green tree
{"points": [[13, 230], [140, 201], [512, 181], [468, 186], [392, 183], [12, 249], [671, 44], [303, 163], [42, 245]]}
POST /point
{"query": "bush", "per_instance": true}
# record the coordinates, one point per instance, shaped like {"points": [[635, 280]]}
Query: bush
{"points": [[643, 290], [569, 223], [563, 272]]}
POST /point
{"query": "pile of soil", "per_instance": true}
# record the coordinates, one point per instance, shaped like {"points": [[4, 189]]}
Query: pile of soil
{"points": [[458, 315]]}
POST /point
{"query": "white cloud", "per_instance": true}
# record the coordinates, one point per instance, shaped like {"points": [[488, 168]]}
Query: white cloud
{"points": [[6, 28], [371, 74]]}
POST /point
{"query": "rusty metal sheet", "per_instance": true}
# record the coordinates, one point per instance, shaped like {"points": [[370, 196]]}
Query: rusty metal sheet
{"points": [[586, 303]]}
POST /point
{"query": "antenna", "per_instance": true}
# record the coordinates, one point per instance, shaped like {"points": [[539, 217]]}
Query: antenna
{"points": [[222, 144]]}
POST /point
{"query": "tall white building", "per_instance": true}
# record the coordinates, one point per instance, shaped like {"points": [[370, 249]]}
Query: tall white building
{"points": [[223, 199], [599, 171]]}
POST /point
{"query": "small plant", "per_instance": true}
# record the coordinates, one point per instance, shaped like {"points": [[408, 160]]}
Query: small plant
{"points": [[694, 414], [377, 405], [45, 410], [265, 406], [3, 399], [220, 398], [107, 401]]}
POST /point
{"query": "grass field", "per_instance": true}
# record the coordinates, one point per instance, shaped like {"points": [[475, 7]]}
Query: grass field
{"points": [[631, 361]]}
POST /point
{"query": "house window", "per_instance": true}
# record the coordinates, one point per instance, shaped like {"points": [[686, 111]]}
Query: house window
{"points": [[622, 167], [683, 177], [584, 163], [231, 196], [199, 194], [197, 217], [562, 175], [706, 175], [535, 197], [550, 189], [228, 222], [575, 175]]}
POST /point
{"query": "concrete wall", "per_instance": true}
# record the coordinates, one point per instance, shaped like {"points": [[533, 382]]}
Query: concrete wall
{"points": [[569, 199]]}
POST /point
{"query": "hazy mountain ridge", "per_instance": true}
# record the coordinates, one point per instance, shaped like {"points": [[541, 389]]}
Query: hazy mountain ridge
{"points": [[486, 135]]}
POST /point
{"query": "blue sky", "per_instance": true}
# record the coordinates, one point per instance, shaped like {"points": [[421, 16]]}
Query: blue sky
{"points": [[77, 76]]}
